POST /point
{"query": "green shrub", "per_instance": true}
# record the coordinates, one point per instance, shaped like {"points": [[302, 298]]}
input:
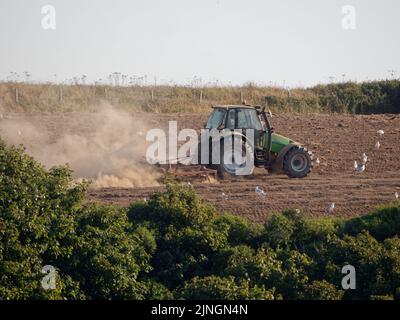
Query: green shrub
{"points": [[382, 223], [218, 288], [176, 246], [364, 253], [240, 231], [96, 251], [110, 254], [154, 290], [260, 267], [279, 231], [322, 290], [390, 274], [186, 233], [37, 209]]}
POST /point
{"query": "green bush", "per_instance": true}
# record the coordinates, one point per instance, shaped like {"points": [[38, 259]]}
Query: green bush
{"points": [[390, 274], [187, 233], [177, 246], [240, 231], [109, 254], [322, 290], [218, 288], [360, 98], [382, 223], [279, 231], [96, 251], [37, 209], [364, 253]]}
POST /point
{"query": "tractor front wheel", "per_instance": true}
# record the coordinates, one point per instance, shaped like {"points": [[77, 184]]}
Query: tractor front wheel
{"points": [[298, 162]]}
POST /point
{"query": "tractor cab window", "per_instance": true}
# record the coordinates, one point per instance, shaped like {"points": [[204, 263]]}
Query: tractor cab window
{"points": [[230, 121], [248, 119], [216, 118]]}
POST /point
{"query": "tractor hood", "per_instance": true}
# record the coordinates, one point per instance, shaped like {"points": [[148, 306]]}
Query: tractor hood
{"points": [[279, 142]]}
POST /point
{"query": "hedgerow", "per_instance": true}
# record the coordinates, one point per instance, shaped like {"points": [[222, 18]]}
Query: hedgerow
{"points": [[176, 246]]}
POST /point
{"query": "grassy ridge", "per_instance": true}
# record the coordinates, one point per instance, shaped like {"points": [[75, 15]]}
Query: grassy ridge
{"points": [[350, 97]]}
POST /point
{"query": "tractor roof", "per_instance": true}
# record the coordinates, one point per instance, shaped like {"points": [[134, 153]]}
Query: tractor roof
{"points": [[228, 106]]}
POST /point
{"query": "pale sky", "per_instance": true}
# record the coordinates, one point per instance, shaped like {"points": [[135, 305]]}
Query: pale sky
{"points": [[298, 42]]}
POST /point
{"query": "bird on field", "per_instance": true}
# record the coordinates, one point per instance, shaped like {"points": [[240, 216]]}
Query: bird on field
{"points": [[364, 158], [224, 196], [19, 132], [396, 195], [260, 191], [360, 168], [331, 207], [380, 132], [377, 145], [317, 161]]}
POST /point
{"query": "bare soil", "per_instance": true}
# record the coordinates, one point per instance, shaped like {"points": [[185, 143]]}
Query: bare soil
{"points": [[337, 140]]}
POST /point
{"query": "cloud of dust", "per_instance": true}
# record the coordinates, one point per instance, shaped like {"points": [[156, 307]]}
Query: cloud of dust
{"points": [[109, 150]]}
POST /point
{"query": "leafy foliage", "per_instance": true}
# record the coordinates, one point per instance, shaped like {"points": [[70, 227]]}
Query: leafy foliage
{"points": [[177, 246], [218, 288]]}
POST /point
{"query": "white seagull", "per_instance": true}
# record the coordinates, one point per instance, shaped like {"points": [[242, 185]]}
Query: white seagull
{"points": [[260, 191], [360, 168], [364, 158]]}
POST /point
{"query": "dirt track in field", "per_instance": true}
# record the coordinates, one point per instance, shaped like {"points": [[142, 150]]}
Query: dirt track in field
{"points": [[337, 140]]}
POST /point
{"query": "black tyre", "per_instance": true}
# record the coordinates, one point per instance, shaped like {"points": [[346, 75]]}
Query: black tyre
{"points": [[298, 162], [231, 168]]}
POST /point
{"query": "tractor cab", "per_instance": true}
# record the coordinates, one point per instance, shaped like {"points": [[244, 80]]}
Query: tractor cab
{"points": [[270, 150], [241, 118], [234, 117]]}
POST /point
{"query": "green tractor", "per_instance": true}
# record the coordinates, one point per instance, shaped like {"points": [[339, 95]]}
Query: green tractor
{"points": [[270, 150]]}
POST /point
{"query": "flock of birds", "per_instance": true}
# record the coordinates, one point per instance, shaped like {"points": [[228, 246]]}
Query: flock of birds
{"points": [[360, 167]]}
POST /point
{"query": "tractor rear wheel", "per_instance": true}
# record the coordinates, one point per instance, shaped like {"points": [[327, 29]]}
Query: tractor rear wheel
{"points": [[298, 162], [231, 165]]}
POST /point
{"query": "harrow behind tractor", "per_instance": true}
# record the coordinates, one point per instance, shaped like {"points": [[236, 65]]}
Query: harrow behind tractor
{"points": [[272, 151]]}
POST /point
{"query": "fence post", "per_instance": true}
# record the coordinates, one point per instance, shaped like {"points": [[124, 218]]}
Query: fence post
{"points": [[201, 96], [152, 95], [241, 96], [16, 95]]}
